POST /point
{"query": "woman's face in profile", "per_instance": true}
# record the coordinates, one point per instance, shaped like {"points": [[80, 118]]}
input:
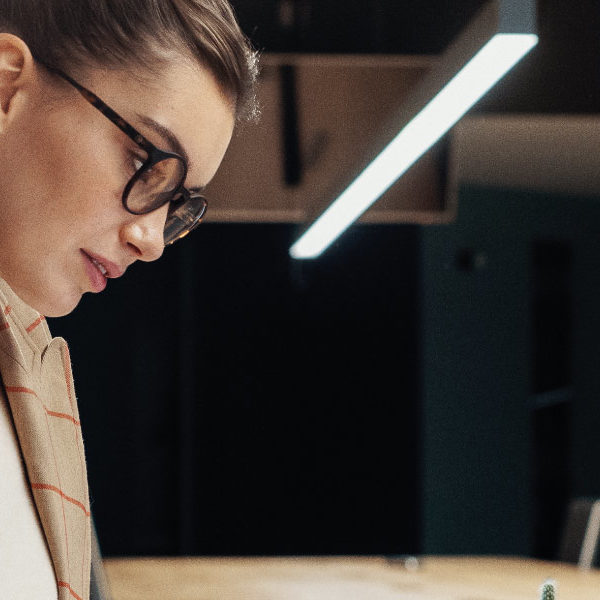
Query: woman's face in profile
{"points": [[65, 165]]}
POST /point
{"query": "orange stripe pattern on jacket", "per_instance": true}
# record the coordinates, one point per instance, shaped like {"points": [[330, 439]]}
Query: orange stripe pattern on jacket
{"points": [[36, 372]]}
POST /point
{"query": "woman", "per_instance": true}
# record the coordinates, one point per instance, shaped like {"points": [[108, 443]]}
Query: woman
{"points": [[114, 116]]}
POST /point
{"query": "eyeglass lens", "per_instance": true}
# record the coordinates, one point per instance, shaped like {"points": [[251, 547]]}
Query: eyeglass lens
{"points": [[152, 187], [183, 218]]}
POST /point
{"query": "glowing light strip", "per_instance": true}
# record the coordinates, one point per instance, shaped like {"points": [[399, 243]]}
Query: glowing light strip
{"points": [[488, 66]]}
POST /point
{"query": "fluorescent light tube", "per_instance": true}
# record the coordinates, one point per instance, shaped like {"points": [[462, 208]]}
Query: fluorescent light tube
{"points": [[478, 75]]}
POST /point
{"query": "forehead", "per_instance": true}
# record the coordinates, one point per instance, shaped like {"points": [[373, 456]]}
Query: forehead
{"points": [[183, 103]]}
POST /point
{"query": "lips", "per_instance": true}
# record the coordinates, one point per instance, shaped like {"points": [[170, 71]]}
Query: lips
{"points": [[99, 269], [95, 275], [111, 269]]}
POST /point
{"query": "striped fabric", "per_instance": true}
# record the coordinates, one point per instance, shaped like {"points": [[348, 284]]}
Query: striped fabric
{"points": [[36, 373]]}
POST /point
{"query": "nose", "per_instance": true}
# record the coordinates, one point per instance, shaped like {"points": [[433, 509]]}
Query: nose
{"points": [[144, 234]]}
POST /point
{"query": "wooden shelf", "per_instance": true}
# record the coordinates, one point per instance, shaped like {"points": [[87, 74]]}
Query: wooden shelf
{"points": [[347, 110]]}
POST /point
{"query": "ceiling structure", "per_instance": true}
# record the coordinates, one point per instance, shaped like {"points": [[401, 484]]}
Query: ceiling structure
{"points": [[561, 75], [324, 118], [354, 26], [333, 73]]}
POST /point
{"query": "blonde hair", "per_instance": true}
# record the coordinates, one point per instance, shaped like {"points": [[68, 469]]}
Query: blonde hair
{"points": [[69, 34]]}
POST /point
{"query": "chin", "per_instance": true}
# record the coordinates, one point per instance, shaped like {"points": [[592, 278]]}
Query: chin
{"points": [[59, 309], [58, 312], [51, 305], [46, 296]]}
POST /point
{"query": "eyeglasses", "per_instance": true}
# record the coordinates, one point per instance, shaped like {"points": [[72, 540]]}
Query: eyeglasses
{"points": [[158, 179]]}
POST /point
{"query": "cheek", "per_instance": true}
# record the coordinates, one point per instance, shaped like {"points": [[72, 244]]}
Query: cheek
{"points": [[85, 159], [82, 170]]}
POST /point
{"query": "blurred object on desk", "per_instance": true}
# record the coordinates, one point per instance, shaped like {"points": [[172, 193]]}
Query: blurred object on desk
{"points": [[579, 544], [334, 578]]}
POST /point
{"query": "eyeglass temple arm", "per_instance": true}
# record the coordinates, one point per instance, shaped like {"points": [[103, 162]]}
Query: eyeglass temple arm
{"points": [[125, 127]]}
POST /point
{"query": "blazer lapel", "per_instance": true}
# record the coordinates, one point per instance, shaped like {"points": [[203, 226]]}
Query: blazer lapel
{"points": [[36, 373]]}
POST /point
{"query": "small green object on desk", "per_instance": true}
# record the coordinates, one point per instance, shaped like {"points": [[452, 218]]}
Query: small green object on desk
{"points": [[548, 590]]}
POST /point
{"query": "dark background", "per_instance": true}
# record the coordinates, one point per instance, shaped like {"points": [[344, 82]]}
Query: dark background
{"points": [[235, 401]]}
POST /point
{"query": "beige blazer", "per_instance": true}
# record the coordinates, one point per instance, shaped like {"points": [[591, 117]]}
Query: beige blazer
{"points": [[37, 381]]}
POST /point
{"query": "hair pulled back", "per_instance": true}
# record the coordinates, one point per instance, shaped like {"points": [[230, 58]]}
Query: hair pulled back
{"points": [[71, 34]]}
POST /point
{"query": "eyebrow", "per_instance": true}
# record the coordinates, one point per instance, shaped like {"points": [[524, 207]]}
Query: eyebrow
{"points": [[173, 141]]}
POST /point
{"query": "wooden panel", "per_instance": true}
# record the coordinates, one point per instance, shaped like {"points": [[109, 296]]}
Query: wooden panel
{"points": [[550, 153], [347, 112]]}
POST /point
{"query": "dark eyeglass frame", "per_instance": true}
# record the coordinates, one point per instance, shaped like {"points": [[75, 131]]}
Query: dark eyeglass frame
{"points": [[155, 155]]}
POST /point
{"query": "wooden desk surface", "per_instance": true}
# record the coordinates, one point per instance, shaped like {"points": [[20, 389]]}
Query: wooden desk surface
{"points": [[348, 578]]}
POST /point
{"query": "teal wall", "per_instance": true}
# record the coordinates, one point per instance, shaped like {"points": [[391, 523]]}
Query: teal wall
{"points": [[476, 315]]}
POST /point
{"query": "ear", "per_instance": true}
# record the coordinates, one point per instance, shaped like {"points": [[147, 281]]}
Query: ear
{"points": [[16, 68]]}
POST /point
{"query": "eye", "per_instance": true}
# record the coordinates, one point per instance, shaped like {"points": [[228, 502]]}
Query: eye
{"points": [[135, 162]]}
